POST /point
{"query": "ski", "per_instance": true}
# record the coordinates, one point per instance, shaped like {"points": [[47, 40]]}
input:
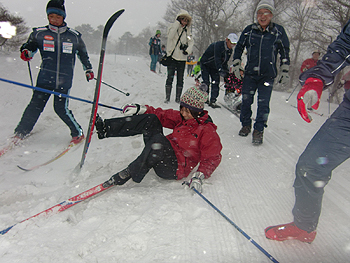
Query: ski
{"points": [[70, 146], [106, 29], [236, 113], [64, 205], [12, 144]]}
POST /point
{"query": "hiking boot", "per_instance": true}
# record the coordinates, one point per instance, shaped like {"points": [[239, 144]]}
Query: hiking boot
{"points": [[100, 127], [214, 105], [77, 139], [257, 137], [245, 131], [288, 232], [118, 179]]}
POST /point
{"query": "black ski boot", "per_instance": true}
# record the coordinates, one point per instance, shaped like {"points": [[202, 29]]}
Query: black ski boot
{"points": [[100, 127], [118, 179]]}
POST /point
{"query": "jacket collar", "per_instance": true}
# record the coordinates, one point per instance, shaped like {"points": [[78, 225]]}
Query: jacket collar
{"points": [[258, 27], [58, 29]]}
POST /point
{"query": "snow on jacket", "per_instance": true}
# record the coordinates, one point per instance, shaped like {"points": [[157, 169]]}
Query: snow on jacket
{"points": [[307, 64], [192, 142], [336, 58], [216, 56], [174, 31], [155, 47], [262, 49], [58, 48]]}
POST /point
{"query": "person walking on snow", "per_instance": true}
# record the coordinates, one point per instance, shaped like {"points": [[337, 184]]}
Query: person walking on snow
{"points": [[214, 65], [194, 140], [154, 50], [310, 62], [179, 44], [58, 45], [329, 147], [263, 41]]}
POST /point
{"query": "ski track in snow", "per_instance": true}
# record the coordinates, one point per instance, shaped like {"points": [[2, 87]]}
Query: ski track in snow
{"points": [[156, 220]]}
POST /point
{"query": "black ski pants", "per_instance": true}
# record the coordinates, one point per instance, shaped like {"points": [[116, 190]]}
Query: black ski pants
{"points": [[157, 153], [329, 147]]}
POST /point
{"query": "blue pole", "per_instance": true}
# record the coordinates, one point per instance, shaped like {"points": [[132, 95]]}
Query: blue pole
{"points": [[239, 229], [57, 93]]}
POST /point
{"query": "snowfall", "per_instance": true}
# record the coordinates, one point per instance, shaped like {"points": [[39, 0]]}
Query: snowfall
{"points": [[156, 220]]}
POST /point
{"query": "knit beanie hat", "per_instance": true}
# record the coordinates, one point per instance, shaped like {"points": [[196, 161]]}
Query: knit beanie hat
{"points": [[266, 4], [195, 97], [56, 7], [158, 32]]}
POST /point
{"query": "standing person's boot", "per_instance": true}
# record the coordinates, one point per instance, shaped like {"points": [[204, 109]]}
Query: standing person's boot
{"points": [[245, 131], [178, 94], [167, 93], [257, 137]]}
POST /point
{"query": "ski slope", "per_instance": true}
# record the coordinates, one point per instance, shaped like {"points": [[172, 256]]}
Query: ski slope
{"points": [[156, 220]]}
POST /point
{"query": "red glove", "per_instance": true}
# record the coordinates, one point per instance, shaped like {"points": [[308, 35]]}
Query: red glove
{"points": [[89, 75], [310, 94], [26, 55]]}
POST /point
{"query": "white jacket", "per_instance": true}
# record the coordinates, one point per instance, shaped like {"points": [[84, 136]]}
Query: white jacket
{"points": [[174, 31]]}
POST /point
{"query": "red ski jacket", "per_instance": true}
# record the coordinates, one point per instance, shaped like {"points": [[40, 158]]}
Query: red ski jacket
{"points": [[192, 142]]}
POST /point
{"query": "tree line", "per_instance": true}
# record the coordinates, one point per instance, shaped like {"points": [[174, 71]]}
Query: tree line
{"points": [[310, 25]]}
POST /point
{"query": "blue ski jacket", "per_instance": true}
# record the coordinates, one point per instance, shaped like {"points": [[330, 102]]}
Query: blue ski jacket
{"points": [[155, 46], [58, 48], [216, 56], [262, 49], [336, 58]]}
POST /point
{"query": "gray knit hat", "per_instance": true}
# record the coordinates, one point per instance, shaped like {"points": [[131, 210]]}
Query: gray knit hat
{"points": [[195, 97], [266, 4]]}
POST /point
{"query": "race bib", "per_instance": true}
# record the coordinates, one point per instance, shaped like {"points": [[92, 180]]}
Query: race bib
{"points": [[49, 45], [67, 47]]}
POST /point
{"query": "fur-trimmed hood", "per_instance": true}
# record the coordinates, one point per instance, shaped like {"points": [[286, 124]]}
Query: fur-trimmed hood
{"points": [[183, 12]]}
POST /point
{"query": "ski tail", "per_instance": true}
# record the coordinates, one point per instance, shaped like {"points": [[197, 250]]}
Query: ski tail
{"points": [[106, 30], [65, 204]]}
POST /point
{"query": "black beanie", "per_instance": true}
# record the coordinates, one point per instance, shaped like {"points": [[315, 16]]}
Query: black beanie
{"points": [[56, 7]]}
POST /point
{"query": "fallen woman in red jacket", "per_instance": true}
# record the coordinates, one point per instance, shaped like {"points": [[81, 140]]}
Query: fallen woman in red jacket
{"points": [[193, 140]]}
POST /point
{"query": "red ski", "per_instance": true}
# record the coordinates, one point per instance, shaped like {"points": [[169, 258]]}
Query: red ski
{"points": [[64, 205]]}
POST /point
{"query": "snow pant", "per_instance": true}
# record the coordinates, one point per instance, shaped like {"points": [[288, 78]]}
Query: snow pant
{"points": [[154, 60], [250, 85], [189, 69], [327, 149], [157, 153], [209, 72], [37, 105], [179, 68]]}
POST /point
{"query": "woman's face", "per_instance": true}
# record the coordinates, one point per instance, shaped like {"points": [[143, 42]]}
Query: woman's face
{"points": [[186, 114]]}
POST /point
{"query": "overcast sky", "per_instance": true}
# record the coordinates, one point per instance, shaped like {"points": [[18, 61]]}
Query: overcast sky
{"points": [[138, 13]]}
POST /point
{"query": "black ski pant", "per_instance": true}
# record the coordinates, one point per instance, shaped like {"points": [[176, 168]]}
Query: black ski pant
{"points": [[157, 153], [36, 106], [327, 149]]}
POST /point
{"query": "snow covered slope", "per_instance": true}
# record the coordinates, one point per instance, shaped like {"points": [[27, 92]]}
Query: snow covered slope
{"points": [[156, 220]]}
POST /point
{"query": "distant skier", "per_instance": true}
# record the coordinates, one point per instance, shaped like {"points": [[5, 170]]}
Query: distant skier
{"points": [[58, 45]]}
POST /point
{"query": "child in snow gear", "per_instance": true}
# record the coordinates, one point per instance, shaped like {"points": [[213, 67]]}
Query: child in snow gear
{"points": [[263, 41], [327, 149], [194, 139], [154, 50], [214, 65], [233, 91], [58, 46], [190, 62], [162, 53], [179, 45]]}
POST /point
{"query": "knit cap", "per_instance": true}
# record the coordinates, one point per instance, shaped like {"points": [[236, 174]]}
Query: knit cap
{"points": [[158, 32], [266, 4], [195, 97], [56, 7]]}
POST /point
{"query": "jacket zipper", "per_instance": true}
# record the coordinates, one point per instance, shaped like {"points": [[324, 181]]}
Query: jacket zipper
{"points": [[58, 58]]}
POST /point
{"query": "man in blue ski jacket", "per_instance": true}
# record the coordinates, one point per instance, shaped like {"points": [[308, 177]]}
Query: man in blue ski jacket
{"points": [[263, 40], [214, 65], [154, 50], [58, 46], [329, 147]]}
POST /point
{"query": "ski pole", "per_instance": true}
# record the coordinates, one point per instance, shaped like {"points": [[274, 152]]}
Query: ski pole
{"points": [[58, 94], [232, 223], [30, 73], [127, 94], [292, 92]]}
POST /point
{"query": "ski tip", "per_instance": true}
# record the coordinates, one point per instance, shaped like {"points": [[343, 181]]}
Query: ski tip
{"points": [[3, 232], [23, 169]]}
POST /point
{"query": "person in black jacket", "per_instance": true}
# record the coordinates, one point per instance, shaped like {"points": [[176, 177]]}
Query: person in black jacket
{"points": [[58, 46], [214, 65], [263, 41]]}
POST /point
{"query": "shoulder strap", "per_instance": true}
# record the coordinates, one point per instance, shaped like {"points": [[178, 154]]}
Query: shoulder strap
{"points": [[177, 42]]}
